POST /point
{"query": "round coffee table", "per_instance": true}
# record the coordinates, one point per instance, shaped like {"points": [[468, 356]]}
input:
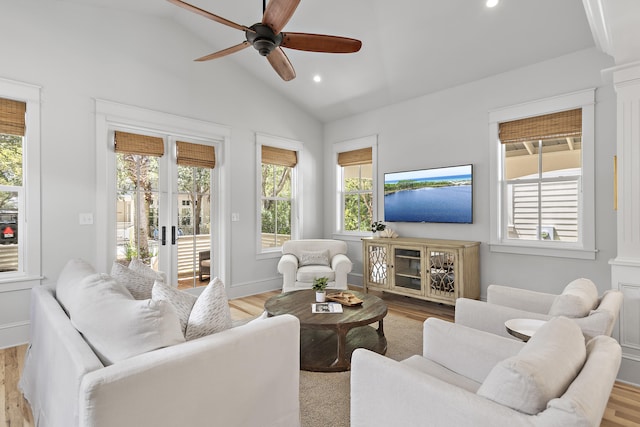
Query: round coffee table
{"points": [[328, 339]]}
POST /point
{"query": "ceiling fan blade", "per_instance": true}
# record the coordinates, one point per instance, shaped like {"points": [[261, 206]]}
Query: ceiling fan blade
{"points": [[209, 15], [278, 13], [224, 52], [281, 64], [320, 43]]}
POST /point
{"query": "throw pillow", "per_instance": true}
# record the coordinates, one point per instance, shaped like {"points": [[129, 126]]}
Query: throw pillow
{"points": [[577, 299], [541, 371], [314, 258], [182, 302], [69, 279], [145, 270], [116, 326], [210, 313], [139, 284]]}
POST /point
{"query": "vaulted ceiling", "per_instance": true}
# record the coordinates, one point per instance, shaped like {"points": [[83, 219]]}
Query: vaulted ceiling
{"points": [[409, 47]]}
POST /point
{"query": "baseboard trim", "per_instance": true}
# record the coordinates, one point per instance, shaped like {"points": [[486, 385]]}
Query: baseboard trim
{"points": [[629, 370], [13, 334]]}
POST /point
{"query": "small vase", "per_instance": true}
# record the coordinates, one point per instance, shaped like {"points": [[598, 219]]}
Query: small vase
{"points": [[321, 296]]}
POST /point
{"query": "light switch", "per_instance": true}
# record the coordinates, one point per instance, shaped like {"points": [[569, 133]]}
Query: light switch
{"points": [[235, 216], [86, 218]]}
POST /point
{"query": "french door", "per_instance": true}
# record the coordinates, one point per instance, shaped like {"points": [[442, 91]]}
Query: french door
{"points": [[164, 204]]}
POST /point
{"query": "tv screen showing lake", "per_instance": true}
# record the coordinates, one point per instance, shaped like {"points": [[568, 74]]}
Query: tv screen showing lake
{"points": [[441, 199]]}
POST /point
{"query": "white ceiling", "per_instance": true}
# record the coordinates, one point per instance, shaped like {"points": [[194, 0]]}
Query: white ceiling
{"points": [[409, 47]]}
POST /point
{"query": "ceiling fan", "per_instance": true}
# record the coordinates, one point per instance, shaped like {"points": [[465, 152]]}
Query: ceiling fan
{"points": [[266, 36]]}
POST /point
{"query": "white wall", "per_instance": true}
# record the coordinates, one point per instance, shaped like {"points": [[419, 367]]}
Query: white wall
{"points": [[76, 54], [451, 128]]}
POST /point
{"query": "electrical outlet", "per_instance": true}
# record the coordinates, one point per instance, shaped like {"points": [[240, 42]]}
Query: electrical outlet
{"points": [[86, 218]]}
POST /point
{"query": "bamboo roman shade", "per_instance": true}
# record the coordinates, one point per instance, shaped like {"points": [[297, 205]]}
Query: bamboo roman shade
{"points": [[279, 156], [548, 126], [12, 119], [190, 154], [363, 156], [133, 143]]}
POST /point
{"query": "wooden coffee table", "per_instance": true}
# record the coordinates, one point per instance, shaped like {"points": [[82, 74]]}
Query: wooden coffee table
{"points": [[328, 339]]}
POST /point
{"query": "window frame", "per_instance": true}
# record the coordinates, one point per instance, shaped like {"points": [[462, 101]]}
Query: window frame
{"points": [[296, 191], [370, 141], [584, 248], [29, 265]]}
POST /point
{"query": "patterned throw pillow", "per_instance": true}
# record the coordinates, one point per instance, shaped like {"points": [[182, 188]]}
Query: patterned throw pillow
{"points": [[210, 313], [148, 272], [314, 258], [182, 302], [139, 285]]}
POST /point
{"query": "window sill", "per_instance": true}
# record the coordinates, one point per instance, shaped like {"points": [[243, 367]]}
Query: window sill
{"points": [[556, 252], [350, 237], [18, 282], [273, 253]]}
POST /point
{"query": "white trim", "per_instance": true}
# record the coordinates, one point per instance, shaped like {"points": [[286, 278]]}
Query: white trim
{"points": [[296, 190], [600, 31], [351, 145], [111, 115], [30, 265], [585, 248]]}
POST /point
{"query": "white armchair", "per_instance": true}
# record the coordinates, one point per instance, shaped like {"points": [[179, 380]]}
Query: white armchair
{"points": [[580, 301], [467, 377], [304, 260]]}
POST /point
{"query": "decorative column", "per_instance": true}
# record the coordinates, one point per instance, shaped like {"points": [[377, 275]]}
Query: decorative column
{"points": [[625, 268]]}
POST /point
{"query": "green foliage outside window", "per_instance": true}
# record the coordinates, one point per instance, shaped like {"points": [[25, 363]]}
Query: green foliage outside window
{"points": [[276, 204], [358, 198]]}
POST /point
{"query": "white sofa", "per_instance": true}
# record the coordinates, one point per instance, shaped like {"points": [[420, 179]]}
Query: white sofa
{"points": [[247, 375], [597, 316], [468, 377], [304, 260]]}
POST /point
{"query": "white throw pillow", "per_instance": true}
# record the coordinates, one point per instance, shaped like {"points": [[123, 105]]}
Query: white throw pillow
{"points": [[139, 284], [116, 326], [210, 313], [541, 371], [182, 302], [69, 279], [314, 258], [577, 299]]}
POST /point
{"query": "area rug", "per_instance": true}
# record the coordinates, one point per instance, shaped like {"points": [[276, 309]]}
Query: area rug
{"points": [[324, 397]]}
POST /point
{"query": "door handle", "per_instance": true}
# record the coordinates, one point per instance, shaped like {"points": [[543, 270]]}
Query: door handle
{"points": [[164, 235], [173, 234]]}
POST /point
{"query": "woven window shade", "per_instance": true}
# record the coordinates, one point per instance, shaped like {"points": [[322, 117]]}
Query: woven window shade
{"points": [[279, 156], [133, 143], [12, 120], [363, 156], [189, 154], [548, 126]]}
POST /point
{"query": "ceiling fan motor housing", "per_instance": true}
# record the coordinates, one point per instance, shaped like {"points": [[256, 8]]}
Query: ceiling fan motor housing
{"points": [[263, 39]]}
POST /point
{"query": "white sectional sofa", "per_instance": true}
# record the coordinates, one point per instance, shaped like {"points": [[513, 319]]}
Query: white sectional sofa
{"points": [[247, 375]]}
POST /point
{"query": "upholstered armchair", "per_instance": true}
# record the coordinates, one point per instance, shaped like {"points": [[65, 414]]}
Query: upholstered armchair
{"points": [[304, 260], [467, 377], [596, 315], [204, 264]]}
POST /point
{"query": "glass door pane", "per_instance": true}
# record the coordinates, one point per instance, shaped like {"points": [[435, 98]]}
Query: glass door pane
{"points": [[407, 269], [193, 233]]}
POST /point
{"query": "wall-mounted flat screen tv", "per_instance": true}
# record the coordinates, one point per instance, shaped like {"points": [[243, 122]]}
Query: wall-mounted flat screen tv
{"points": [[443, 194]]}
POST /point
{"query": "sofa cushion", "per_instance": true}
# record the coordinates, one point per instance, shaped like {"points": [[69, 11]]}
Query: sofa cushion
{"points": [[541, 371], [72, 274], [314, 258], [210, 313], [116, 326], [138, 278], [309, 272], [182, 302], [577, 299]]}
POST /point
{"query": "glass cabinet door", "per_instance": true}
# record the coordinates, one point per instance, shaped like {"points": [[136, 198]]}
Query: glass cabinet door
{"points": [[442, 273], [376, 260], [407, 269]]}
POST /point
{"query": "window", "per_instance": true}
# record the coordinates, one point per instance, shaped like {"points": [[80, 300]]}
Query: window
{"points": [[278, 189], [543, 201], [19, 185], [355, 177]]}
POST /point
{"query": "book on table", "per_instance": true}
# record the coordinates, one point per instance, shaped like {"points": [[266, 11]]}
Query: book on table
{"points": [[326, 307]]}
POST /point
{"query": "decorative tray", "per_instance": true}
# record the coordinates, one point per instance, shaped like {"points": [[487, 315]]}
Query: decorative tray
{"points": [[345, 298]]}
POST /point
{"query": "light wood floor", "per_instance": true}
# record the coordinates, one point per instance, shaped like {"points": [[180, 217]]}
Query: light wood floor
{"points": [[623, 408]]}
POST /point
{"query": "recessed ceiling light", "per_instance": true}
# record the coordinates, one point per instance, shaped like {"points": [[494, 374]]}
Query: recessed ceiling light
{"points": [[492, 3], [317, 78]]}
